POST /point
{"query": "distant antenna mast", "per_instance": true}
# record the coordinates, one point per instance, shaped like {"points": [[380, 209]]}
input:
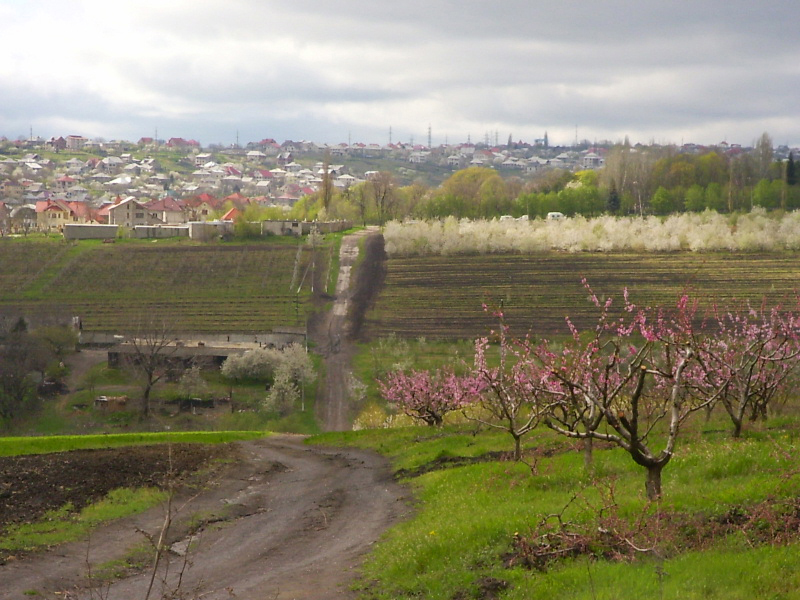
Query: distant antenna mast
{"points": [[237, 138], [429, 137], [390, 135], [576, 136], [496, 137]]}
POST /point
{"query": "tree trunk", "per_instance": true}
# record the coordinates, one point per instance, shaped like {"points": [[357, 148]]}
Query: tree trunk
{"points": [[588, 454], [737, 428], [653, 484], [146, 401], [517, 447]]}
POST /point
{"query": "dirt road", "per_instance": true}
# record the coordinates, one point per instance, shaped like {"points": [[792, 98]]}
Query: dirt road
{"points": [[288, 521], [332, 338]]}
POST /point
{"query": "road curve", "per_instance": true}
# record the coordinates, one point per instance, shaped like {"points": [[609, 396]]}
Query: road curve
{"points": [[289, 521]]}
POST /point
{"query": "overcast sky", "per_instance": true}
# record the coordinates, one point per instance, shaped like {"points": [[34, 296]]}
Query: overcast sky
{"points": [[668, 71]]}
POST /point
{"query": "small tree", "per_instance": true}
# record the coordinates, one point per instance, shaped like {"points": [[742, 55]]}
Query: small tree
{"points": [[747, 359], [637, 375], [61, 340], [192, 383], [151, 347], [512, 392], [254, 365], [21, 357], [428, 396]]}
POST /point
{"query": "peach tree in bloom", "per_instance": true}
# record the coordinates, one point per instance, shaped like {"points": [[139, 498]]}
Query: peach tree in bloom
{"points": [[429, 396], [513, 396], [747, 359]]}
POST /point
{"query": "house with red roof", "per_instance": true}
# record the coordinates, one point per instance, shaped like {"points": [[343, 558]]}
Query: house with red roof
{"points": [[202, 207], [233, 214], [167, 210], [53, 214]]}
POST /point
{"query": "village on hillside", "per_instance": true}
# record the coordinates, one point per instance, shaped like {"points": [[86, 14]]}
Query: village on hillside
{"points": [[46, 185]]}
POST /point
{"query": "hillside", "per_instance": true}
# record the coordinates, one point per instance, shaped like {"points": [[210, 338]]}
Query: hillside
{"points": [[231, 287]]}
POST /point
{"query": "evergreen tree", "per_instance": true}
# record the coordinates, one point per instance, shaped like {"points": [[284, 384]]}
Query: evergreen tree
{"points": [[791, 174], [612, 202]]}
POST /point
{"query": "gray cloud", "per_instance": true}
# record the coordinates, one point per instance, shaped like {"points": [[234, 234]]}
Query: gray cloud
{"points": [[323, 70]]}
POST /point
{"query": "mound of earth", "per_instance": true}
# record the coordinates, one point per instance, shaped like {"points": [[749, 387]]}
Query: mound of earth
{"points": [[31, 485]]}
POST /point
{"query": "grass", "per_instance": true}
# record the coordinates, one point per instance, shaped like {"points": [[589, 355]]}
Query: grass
{"points": [[62, 525], [13, 446], [466, 517]]}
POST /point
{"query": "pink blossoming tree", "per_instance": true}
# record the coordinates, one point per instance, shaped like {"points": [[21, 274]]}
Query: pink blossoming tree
{"points": [[429, 396]]}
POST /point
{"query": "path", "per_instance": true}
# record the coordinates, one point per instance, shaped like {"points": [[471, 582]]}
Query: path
{"points": [[331, 337], [290, 521]]}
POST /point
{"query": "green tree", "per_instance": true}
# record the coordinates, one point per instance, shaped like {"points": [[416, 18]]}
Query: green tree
{"points": [[763, 153], [382, 187], [661, 202], [60, 340], [714, 197], [695, 200], [767, 194], [22, 356], [791, 173]]}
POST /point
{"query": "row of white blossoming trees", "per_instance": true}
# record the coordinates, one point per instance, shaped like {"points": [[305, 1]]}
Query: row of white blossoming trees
{"points": [[632, 381], [696, 232]]}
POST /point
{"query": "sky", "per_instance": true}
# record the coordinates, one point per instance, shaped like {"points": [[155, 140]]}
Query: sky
{"points": [[371, 71]]}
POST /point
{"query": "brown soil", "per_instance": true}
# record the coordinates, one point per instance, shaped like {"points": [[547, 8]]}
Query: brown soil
{"points": [[32, 485]]}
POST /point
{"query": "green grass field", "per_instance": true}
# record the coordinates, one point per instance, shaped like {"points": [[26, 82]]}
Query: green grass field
{"points": [[441, 296], [12, 446], [462, 537]]}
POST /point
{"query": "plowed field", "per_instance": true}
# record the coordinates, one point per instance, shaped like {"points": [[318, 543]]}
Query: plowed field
{"points": [[441, 296]]}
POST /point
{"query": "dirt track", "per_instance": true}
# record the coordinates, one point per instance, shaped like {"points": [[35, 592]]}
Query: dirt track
{"points": [[332, 336], [287, 521]]}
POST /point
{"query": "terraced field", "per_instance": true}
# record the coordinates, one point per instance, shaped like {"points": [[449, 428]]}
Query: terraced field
{"points": [[204, 288], [441, 296]]}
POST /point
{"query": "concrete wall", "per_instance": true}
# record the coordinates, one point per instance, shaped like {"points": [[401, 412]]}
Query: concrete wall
{"points": [[159, 231], [208, 230], [278, 338], [83, 231], [298, 228]]}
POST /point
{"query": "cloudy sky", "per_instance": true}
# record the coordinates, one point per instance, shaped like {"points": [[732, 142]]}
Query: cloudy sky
{"points": [[667, 71]]}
